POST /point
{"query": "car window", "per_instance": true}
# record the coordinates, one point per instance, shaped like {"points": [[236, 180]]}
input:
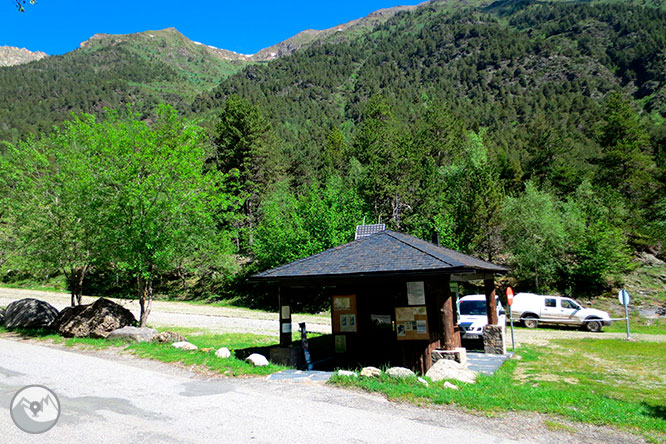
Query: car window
{"points": [[551, 302], [568, 303], [473, 308]]}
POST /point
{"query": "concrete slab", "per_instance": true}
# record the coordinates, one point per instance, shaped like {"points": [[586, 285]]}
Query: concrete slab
{"points": [[300, 376], [484, 363]]}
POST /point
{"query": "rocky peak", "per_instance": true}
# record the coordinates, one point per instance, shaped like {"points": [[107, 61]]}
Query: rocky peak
{"points": [[10, 56]]}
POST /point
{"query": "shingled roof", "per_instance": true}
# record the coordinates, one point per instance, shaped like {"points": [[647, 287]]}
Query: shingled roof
{"points": [[383, 253]]}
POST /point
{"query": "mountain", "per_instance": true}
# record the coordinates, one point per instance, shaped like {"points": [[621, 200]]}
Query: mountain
{"points": [[533, 69], [499, 62], [11, 56], [110, 71], [310, 36]]}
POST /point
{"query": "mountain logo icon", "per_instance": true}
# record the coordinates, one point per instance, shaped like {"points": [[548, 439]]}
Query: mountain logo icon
{"points": [[35, 409]]}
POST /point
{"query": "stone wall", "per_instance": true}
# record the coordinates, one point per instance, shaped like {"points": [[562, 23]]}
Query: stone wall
{"points": [[494, 339]]}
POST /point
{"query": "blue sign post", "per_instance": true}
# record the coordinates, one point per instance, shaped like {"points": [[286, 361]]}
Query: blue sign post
{"points": [[624, 299]]}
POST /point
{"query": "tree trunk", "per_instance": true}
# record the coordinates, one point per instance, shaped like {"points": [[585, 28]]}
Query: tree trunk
{"points": [[145, 287], [75, 281]]}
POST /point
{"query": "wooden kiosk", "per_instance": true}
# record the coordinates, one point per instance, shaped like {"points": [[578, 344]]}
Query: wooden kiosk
{"points": [[391, 298]]}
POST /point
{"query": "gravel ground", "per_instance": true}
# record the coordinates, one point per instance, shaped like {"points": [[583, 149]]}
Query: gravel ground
{"points": [[182, 314], [119, 399]]}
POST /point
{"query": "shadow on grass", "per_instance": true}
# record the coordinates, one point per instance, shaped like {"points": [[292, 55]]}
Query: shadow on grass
{"points": [[30, 332], [320, 347], [656, 411]]}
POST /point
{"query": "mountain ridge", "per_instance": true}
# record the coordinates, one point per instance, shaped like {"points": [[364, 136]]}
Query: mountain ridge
{"points": [[13, 56]]}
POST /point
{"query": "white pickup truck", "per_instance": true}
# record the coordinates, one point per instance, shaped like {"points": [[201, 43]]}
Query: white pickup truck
{"points": [[533, 309]]}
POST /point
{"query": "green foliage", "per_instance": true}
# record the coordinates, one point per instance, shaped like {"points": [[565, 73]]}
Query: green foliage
{"points": [[578, 246], [296, 225], [535, 234], [118, 192]]}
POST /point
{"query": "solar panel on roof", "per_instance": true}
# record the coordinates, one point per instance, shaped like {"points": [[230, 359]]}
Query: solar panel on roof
{"points": [[367, 230]]}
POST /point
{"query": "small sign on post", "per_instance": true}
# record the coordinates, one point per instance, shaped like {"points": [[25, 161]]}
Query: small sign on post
{"points": [[624, 298], [509, 301]]}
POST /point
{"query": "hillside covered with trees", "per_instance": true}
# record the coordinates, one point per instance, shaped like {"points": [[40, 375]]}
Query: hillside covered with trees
{"points": [[527, 133]]}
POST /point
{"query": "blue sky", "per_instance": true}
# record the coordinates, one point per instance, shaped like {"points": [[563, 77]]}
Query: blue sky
{"points": [[59, 26]]}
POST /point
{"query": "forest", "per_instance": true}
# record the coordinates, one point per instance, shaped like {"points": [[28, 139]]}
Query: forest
{"points": [[527, 133]]}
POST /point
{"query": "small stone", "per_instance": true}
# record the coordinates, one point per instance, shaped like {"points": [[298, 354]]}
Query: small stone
{"points": [[169, 337], [184, 345], [423, 381], [448, 385], [347, 373], [136, 334], [207, 349], [223, 353], [257, 360], [400, 372], [371, 372]]}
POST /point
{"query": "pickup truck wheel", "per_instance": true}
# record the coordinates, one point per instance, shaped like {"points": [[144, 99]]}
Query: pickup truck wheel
{"points": [[593, 326], [530, 322]]}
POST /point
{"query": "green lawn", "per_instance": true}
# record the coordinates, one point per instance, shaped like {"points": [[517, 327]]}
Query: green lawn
{"points": [[603, 382]]}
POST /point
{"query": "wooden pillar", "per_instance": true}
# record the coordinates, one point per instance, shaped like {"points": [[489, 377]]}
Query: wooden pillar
{"points": [[285, 317], [448, 316], [491, 306]]}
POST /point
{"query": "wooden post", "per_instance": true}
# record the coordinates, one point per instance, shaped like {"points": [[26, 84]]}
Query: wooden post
{"points": [[447, 315], [491, 306], [285, 318]]}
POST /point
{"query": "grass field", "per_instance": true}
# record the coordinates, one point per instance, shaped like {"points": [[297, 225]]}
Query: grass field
{"points": [[240, 345], [602, 382]]}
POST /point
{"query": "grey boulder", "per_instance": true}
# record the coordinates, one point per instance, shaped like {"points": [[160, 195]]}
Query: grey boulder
{"points": [[136, 334], [2, 316], [30, 313], [95, 320]]}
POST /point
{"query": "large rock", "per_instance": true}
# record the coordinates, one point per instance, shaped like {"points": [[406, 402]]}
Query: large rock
{"points": [[30, 313], [449, 369], [2, 316], [169, 337], [96, 320], [136, 334], [257, 360], [400, 372]]}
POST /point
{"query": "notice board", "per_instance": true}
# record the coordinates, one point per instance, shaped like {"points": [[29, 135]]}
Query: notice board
{"points": [[411, 323], [344, 314]]}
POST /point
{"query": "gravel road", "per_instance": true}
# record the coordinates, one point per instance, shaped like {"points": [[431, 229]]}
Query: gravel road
{"points": [[182, 314], [111, 398]]}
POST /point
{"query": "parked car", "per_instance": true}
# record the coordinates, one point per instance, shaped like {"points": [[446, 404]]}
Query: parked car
{"points": [[533, 309], [472, 315]]}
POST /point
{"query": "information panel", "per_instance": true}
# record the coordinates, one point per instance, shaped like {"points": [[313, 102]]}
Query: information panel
{"points": [[344, 314], [411, 323]]}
